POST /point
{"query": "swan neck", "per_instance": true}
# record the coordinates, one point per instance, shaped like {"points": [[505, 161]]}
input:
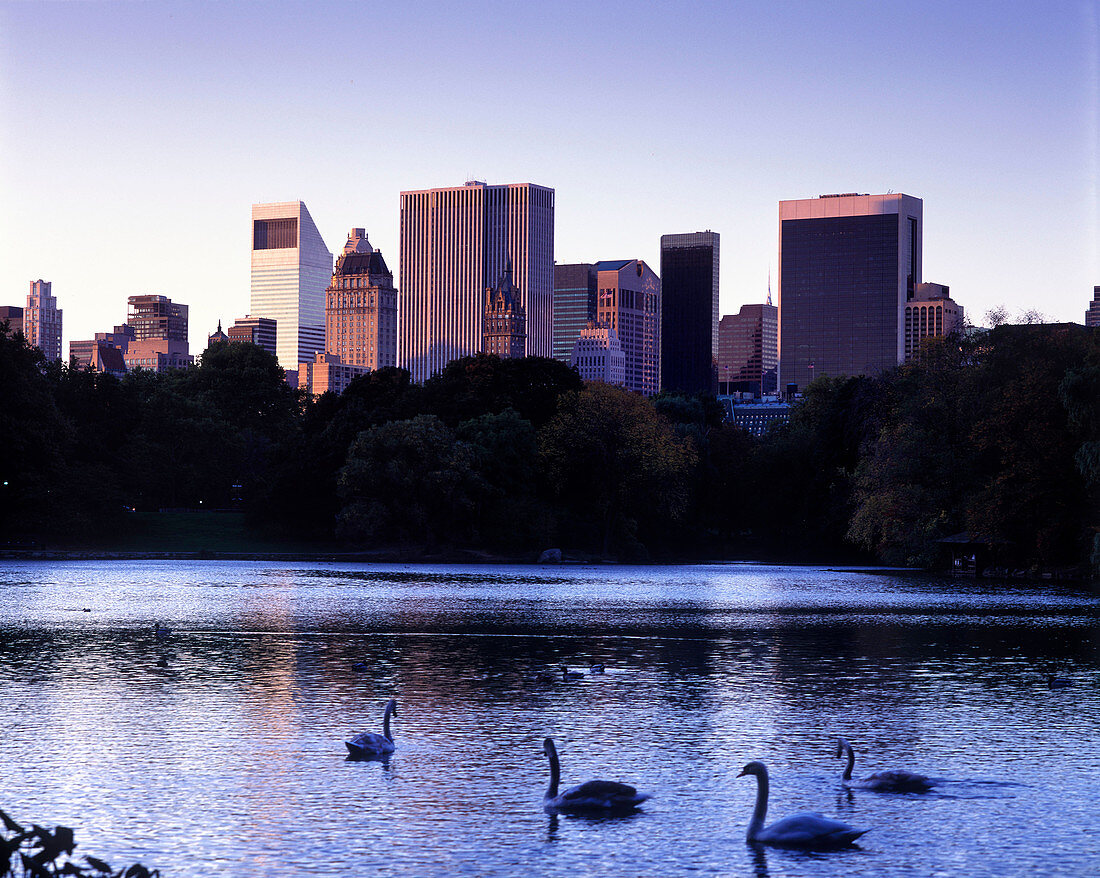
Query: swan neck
{"points": [[761, 809], [386, 722], [851, 761], [555, 774]]}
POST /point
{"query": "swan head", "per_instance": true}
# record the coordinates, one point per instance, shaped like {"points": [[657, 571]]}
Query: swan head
{"points": [[841, 746], [548, 748], [755, 768], [391, 705]]}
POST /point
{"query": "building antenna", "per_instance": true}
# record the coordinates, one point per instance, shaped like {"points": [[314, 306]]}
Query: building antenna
{"points": [[769, 284]]}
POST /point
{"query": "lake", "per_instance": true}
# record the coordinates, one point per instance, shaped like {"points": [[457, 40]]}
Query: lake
{"points": [[219, 749]]}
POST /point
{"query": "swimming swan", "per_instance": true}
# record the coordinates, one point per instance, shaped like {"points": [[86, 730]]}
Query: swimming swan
{"points": [[595, 798], [894, 781], [371, 744], [807, 829], [567, 674]]}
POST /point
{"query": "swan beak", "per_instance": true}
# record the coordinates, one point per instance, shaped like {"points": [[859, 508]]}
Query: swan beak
{"points": [[742, 774]]}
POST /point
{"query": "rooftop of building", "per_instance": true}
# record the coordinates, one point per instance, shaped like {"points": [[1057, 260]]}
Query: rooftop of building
{"points": [[359, 262]]}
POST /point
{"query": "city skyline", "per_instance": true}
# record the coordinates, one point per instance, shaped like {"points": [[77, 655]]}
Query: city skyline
{"points": [[764, 105]]}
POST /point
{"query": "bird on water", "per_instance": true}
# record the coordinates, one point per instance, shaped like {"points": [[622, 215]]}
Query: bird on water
{"points": [[370, 744], [891, 781], [808, 830], [594, 798]]}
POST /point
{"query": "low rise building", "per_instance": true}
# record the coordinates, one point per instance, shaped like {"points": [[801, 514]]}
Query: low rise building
{"points": [[598, 355], [931, 313], [505, 332], [260, 331], [1092, 316], [157, 354], [14, 317], [327, 373]]}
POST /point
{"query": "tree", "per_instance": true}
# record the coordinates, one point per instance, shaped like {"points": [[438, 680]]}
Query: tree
{"points": [[616, 464], [408, 480]]}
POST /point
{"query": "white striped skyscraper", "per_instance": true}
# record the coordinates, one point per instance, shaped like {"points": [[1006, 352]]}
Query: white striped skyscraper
{"points": [[456, 242], [291, 267]]}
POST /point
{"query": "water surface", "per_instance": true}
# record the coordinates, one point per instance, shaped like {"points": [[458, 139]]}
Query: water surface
{"points": [[228, 760]]}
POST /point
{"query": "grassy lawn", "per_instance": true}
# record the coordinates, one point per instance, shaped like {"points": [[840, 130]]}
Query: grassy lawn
{"points": [[199, 532]]}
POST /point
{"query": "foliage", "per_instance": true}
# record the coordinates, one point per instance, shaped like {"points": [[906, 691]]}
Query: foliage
{"points": [[616, 465], [43, 853], [408, 480], [996, 433]]}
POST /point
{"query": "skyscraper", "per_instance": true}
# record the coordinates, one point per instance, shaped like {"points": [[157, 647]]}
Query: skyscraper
{"points": [[748, 350], [455, 242], [361, 307], [1092, 316], [628, 300], [689, 311], [574, 305], [291, 267], [847, 266], [42, 320]]}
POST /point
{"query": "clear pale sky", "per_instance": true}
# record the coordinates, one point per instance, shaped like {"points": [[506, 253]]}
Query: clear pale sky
{"points": [[134, 137]]}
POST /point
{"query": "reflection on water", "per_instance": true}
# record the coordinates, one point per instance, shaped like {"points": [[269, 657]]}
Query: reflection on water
{"points": [[219, 749]]}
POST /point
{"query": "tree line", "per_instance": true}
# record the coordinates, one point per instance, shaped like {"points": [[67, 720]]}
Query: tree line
{"points": [[996, 435]]}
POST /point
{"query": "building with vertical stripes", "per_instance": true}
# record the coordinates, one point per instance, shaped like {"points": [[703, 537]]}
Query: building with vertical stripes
{"points": [[931, 313], [455, 243], [291, 267]]}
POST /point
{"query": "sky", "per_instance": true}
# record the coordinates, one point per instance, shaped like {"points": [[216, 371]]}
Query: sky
{"points": [[135, 136]]}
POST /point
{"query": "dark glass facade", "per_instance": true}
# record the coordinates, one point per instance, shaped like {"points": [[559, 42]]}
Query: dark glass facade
{"points": [[574, 305], [689, 314], [840, 297], [276, 234]]}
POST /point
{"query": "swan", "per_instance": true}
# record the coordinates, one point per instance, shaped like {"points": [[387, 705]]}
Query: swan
{"points": [[567, 674], [371, 744], [893, 781], [806, 829], [594, 798]]}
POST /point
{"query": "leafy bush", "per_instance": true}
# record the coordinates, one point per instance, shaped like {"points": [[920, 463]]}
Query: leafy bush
{"points": [[44, 853]]}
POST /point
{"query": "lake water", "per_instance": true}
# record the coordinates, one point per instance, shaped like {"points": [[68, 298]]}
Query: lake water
{"points": [[229, 760]]}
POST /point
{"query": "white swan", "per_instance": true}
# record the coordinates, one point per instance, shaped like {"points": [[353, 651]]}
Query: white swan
{"points": [[371, 744], [594, 798], [894, 781], [806, 829]]}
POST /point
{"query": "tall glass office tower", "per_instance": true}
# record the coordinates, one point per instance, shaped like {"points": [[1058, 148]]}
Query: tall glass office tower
{"points": [[291, 267], [689, 311], [847, 266], [455, 243]]}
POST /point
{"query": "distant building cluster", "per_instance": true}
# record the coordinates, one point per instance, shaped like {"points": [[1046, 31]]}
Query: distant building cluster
{"points": [[477, 274]]}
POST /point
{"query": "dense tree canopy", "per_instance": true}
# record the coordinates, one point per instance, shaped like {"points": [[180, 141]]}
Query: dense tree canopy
{"points": [[995, 436]]}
